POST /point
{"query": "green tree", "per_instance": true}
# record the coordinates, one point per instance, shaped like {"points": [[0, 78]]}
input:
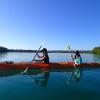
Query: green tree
{"points": [[3, 49], [96, 50]]}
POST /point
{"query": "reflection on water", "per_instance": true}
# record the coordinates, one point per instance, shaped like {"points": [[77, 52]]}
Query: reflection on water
{"points": [[43, 79], [7, 73], [41, 76], [3, 55], [75, 75], [47, 84]]}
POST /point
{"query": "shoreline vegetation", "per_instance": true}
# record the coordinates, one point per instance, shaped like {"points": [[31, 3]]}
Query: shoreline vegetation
{"points": [[50, 51], [95, 50]]}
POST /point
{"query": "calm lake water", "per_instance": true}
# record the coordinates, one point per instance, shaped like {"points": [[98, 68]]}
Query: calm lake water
{"points": [[49, 84]]}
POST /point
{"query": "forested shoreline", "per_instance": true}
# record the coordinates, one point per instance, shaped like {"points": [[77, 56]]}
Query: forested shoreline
{"points": [[95, 50]]}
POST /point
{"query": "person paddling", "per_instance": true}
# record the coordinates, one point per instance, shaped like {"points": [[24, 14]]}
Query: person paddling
{"points": [[77, 73], [77, 58], [44, 57]]}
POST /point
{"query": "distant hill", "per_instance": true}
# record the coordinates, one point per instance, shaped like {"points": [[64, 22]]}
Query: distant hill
{"points": [[20, 50], [3, 49], [67, 51], [96, 50]]}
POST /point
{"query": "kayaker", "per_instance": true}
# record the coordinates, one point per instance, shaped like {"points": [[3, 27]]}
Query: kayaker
{"points": [[77, 58], [45, 57]]}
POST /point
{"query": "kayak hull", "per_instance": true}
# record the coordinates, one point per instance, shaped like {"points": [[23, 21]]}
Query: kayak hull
{"points": [[23, 65]]}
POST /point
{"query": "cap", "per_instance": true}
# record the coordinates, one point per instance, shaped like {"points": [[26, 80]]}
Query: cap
{"points": [[44, 49]]}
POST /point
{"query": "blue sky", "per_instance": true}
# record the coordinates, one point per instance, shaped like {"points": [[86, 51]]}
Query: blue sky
{"points": [[24, 24]]}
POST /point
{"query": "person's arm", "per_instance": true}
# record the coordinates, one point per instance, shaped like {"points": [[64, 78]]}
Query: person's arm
{"points": [[40, 56], [38, 60], [43, 57]]}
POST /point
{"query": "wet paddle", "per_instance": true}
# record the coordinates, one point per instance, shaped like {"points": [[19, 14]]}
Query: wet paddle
{"points": [[33, 58], [70, 50]]}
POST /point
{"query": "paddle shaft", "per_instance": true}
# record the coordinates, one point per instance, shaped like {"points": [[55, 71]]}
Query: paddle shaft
{"points": [[37, 52], [72, 57], [32, 60]]}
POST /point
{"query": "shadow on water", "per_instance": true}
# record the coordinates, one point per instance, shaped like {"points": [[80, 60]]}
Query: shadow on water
{"points": [[3, 55]]}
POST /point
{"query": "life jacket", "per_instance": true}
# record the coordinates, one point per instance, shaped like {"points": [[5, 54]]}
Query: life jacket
{"points": [[46, 59], [78, 60]]}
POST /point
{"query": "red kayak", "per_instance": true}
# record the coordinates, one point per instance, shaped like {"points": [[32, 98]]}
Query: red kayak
{"points": [[23, 65]]}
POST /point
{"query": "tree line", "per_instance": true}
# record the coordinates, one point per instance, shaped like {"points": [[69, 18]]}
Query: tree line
{"points": [[3, 49], [95, 50]]}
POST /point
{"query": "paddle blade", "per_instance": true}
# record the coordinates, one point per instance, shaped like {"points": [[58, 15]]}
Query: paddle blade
{"points": [[68, 47], [43, 43], [24, 71]]}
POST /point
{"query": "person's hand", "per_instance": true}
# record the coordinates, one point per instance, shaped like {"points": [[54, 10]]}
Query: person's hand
{"points": [[33, 59]]}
